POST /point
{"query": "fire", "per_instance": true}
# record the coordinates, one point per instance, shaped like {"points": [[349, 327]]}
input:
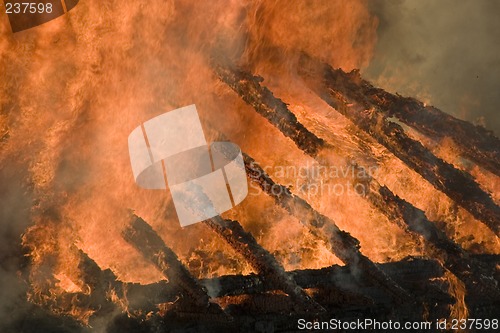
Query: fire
{"points": [[74, 88]]}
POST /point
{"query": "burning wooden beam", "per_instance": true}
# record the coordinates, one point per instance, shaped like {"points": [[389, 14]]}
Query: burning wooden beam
{"points": [[415, 274], [407, 216], [277, 113], [250, 89], [475, 142], [439, 246], [106, 290], [250, 303], [396, 209], [478, 280], [273, 109], [410, 273], [420, 276], [94, 301], [456, 184], [263, 262], [343, 245], [100, 282], [151, 246], [330, 285]]}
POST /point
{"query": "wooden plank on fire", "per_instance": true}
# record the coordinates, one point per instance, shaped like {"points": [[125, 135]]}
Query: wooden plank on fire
{"points": [[407, 216], [251, 303], [151, 246], [475, 142], [270, 107], [469, 270], [456, 184], [277, 113], [329, 286], [343, 245], [410, 272], [422, 277], [263, 262], [247, 85]]}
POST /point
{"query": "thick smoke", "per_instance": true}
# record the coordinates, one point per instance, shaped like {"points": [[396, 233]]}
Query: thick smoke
{"points": [[443, 52], [14, 217]]}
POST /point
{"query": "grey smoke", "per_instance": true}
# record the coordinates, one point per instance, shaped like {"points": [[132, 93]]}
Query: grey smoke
{"points": [[14, 218], [445, 52]]}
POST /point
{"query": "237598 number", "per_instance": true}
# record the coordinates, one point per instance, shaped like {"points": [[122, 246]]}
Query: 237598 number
{"points": [[28, 7]]}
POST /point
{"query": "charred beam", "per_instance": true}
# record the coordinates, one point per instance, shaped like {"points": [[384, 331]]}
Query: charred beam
{"points": [[469, 270], [411, 219], [249, 88], [270, 107], [250, 308], [262, 261], [458, 185], [420, 276], [104, 283], [100, 282], [95, 300], [475, 142], [407, 216], [151, 246], [343, 245], [333, 287], [412, 271], [415, 274]]}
